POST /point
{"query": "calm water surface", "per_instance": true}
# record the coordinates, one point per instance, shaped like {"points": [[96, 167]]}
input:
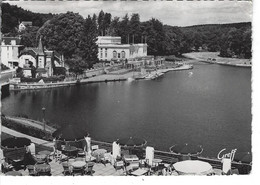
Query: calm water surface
{"points": [[210, 106]]}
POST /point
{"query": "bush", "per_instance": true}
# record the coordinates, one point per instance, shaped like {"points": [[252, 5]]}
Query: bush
{"points": [[45, 79], [59, 71], [31, 131]]}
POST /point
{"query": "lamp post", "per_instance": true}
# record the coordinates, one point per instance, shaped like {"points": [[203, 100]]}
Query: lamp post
{"points": [[43, 118]]}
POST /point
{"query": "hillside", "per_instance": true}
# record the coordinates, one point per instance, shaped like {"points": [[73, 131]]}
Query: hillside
{"points": [[12, 15], [231, 40]]}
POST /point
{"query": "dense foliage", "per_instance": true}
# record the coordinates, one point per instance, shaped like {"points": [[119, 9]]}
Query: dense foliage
{"points": [[72, 35], [12, 15]]}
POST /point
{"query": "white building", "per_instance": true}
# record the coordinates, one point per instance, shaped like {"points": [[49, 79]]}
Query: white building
{"points": [[111, 49], [10, 51], [24, 24], [42, 59]]}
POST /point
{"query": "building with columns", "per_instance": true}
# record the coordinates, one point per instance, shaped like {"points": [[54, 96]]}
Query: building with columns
{"points": [[112, 50]]}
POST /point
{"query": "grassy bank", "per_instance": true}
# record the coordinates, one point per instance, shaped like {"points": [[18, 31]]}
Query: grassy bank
{"points": [[204, 56]]}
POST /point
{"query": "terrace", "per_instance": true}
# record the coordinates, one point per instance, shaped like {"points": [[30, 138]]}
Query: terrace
{"points": [[114, 167]]}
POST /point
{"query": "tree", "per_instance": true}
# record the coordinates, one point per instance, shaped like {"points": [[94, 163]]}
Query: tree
{"points": [[114, 27], [28, 36], [124, 29], [135, 28], [88, 47], [77, 65], [63, 33]]}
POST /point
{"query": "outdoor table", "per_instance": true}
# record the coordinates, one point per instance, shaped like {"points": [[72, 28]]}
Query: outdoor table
{"points": [[130, 158], [97, 153], [139, 172], [44, 152], [78, 164], [193, 167], [156, 163], [69, 150], [42, 168], [13, 173], [40, 158]]}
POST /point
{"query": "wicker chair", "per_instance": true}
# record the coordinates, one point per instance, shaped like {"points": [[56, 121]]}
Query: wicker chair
{"points": [[89, 168], [31, 170], [66, 168]]}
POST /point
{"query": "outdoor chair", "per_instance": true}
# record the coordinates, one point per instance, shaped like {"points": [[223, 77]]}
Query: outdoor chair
{"points": [[142, 163], [77, 171], [106, 158], [119, 165], [31, 170], [89, 168], [66, 168], [134, 165], [57, 155], [94, 147], [81, 153], [6, 167]]}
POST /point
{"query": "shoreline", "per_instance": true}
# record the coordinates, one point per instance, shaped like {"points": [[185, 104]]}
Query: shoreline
{"points": [[96, 79], [207, 57]]}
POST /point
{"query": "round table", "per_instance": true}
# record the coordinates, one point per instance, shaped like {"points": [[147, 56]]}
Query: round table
{"points": [[78, 164], [44, 152], [156, 162], [69, 150], [13, 173], [40, 158], [193, 167], [97, 153]]}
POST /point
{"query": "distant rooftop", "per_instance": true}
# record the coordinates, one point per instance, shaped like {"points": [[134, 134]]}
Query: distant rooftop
{"points": [[27, 23], [8, 40]]}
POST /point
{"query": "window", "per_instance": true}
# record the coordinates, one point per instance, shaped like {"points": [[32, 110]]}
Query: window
{"points": [[118, 55], [105, 52], [114, 54], [101, 53], [123, 54]]}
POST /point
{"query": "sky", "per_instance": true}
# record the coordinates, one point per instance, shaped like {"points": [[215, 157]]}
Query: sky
{"points": [[175, 13]]}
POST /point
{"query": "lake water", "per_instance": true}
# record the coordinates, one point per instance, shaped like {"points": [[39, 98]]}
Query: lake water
{"points": [[209, 105]]}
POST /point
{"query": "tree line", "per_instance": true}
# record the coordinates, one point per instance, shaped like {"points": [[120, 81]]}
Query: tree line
{"points": [[74, 36]]}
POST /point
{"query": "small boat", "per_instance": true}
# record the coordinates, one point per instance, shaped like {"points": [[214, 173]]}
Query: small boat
{"points": [[130, 79]]}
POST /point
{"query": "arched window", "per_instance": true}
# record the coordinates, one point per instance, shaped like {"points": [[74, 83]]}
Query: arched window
{"points": [[123, 54], [114, 54]]}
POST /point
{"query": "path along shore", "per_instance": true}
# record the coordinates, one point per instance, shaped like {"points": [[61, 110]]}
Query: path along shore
{"points": [[213, 58], [96, 79]]}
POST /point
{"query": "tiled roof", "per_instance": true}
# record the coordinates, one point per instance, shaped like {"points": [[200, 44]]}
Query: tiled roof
{"points": [[7, 40]]}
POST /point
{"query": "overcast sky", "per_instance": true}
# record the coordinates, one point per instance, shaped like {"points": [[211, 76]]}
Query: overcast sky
{"points": [[176, 13]]}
